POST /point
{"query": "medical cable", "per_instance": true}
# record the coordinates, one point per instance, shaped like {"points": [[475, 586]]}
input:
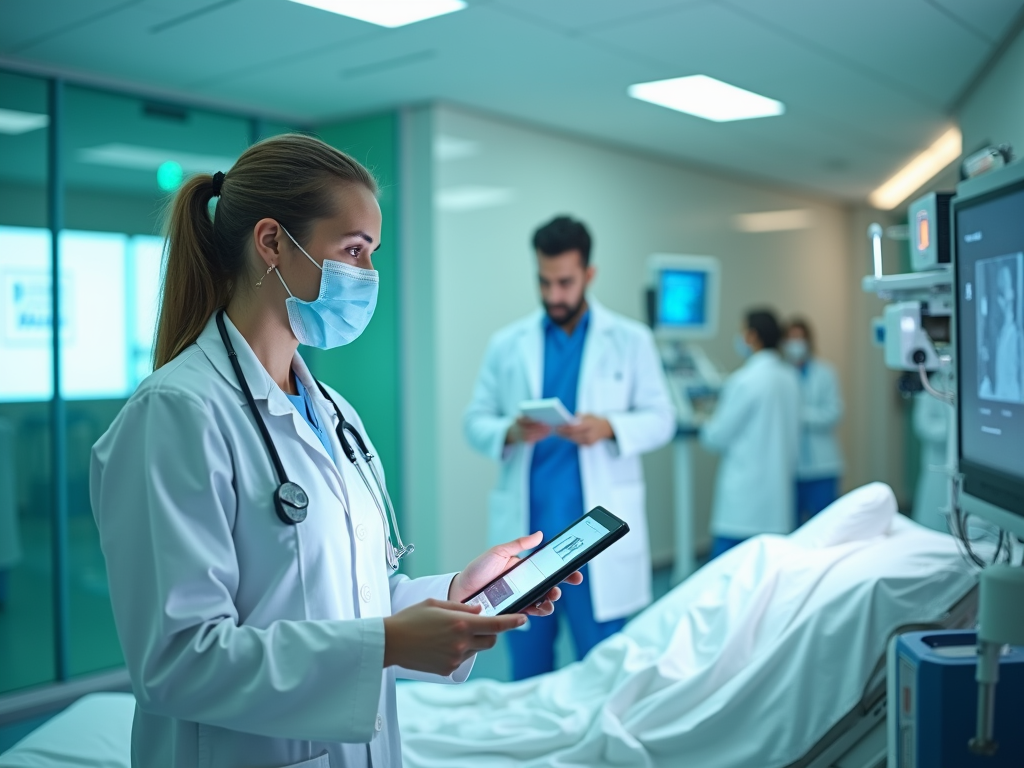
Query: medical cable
{"points": [[393, 554], [945, 397]]}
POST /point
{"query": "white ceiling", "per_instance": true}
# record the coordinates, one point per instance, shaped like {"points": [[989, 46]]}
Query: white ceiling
{"points": [[866, 83]]}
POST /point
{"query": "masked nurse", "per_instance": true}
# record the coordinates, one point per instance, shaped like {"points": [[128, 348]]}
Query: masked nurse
{"points": [[258, 631]]}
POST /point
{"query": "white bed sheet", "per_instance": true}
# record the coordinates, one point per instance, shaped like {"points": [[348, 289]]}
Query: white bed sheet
{"points": [[94, 732], [747, 663]]}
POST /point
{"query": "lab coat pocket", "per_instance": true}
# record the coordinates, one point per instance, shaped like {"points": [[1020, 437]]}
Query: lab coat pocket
{"points": [[324, 761], [628, 503], [505, 517]]}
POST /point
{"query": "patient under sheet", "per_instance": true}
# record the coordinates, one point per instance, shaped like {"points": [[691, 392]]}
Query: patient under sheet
{"points": [[749, 662]]}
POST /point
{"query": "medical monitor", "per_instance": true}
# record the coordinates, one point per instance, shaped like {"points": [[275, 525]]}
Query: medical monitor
{"points": [[685, 295], [988, 254]]}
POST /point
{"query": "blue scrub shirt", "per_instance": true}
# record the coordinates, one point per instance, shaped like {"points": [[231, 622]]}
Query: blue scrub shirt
{"points": [[556, 489]]}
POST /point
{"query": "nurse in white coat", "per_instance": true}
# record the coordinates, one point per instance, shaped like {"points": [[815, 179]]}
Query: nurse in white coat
{"points": [[607, 367], [819, 463], [932, 419], [253, 640], [756, 429]]}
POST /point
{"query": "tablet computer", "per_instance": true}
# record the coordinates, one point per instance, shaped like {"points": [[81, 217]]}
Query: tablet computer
{"points": [[531, 578], [550, 411]]}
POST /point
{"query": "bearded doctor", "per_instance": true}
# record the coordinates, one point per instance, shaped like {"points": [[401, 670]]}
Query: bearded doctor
{"points": [[605, 369], [249, 540]]}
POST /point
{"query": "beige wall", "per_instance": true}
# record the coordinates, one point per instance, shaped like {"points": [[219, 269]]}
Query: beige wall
{"points": [[481, 277]]}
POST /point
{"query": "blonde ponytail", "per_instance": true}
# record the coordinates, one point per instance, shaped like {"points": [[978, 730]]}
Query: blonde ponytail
{"points": [[194, 288]]}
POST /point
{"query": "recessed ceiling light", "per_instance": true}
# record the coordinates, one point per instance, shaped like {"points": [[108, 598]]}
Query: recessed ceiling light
{"points": [[472, 198], [14, 122], [141, 158], [774, 221], [387, 13], [707, 97], [918, 171]]}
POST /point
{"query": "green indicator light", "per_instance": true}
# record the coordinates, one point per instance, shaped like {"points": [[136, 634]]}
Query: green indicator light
{"points": [[169, 176]]}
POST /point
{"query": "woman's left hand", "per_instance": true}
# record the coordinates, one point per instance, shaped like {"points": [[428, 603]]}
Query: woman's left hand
{"points": [[494, 562]]}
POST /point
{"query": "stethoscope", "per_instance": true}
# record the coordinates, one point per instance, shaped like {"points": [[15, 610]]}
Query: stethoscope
{"points": [[290, 500]]}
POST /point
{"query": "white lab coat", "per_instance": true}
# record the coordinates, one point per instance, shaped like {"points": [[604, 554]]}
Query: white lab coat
{"points": [[621, 379], [821, 407], [756, 428], [932, 420], [250, 643]]}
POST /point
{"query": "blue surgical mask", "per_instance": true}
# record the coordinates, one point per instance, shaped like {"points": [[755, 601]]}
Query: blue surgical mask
{"points": [[742, 348], [342, 310], [796, 351]]}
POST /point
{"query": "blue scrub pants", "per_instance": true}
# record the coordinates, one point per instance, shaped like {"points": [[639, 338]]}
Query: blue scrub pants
{"points": [[722, 544], [812, 496], [3, 586], [533, 648]]}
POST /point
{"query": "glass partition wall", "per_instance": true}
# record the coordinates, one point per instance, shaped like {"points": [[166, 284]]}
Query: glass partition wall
{"points": [[85, 176]]}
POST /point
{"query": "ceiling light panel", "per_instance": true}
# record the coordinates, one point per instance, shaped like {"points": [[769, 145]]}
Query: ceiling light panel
{"points": [[387, 13], [13, 122], [708, 98], [774, 221], [918, 171]]}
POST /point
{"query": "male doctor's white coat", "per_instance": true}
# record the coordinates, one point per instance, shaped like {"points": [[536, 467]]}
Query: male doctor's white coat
{"points": [[250, 643], [620, 379]]}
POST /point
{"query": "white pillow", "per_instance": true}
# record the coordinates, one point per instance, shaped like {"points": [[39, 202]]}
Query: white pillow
{"points": [[861, 514]]}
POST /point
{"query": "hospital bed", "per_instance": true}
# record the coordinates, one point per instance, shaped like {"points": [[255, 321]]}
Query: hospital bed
{"points": [[770, 656]]}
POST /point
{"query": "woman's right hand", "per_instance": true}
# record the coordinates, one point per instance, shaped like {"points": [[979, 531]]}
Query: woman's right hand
{"points": [[437, 636]]}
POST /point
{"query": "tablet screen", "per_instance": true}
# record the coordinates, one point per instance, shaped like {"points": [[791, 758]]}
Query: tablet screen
{"points": [[542, 564]]}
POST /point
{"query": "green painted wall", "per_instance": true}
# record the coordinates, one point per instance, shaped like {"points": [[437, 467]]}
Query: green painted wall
{"points": [[367, 371]]}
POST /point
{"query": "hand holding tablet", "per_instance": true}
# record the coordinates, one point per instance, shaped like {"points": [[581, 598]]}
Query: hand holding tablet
{"points": [[548, 411]]}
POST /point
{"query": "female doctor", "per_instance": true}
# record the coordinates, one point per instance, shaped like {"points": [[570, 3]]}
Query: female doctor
{"points": [[248, 550]]}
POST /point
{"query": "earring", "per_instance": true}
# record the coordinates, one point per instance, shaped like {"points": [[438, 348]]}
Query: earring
{"points": [[269, 270]]}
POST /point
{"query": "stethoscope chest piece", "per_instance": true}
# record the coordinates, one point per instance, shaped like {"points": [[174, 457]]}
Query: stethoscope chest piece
{"points": [[291, 503]]}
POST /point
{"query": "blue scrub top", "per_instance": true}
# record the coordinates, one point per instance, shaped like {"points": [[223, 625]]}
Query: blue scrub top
{"points": [[304, 405], [556, 489]]}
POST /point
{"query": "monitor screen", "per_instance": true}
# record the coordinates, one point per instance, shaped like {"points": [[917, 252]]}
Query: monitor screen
{"points": [[989, 234], [682, 298]]}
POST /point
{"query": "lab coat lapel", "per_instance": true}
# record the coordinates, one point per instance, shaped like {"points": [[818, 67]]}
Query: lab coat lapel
{"points": [[263, 387], [531, 352], [595, 347]]}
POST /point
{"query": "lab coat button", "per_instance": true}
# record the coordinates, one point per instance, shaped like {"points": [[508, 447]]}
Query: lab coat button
{"points": [[364, 593], [360, 531], [380, 723]]}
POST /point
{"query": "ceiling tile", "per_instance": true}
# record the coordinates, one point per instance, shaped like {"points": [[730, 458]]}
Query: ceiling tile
{"points": [[910, 44], [990, 18]]}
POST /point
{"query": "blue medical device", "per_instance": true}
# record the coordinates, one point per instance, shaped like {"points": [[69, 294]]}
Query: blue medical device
{"points": [[683, 296], [933, 702]]}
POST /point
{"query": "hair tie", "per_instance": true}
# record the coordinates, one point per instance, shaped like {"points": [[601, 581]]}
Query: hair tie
{"points": [[218, 182]]}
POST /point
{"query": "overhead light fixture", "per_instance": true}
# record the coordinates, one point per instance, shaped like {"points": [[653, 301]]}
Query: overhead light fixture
{"points": [[14, 122], [141, 158], [707, 97], [472, 198], [387, 13], [918, 171], [774, 221], [453, 148]]}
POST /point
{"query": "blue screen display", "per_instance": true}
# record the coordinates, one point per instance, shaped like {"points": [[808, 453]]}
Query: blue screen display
{"points": [[682, 298]]}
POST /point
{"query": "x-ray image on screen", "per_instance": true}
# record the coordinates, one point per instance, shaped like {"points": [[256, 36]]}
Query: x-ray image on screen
{"points": [[1000, 327]]}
